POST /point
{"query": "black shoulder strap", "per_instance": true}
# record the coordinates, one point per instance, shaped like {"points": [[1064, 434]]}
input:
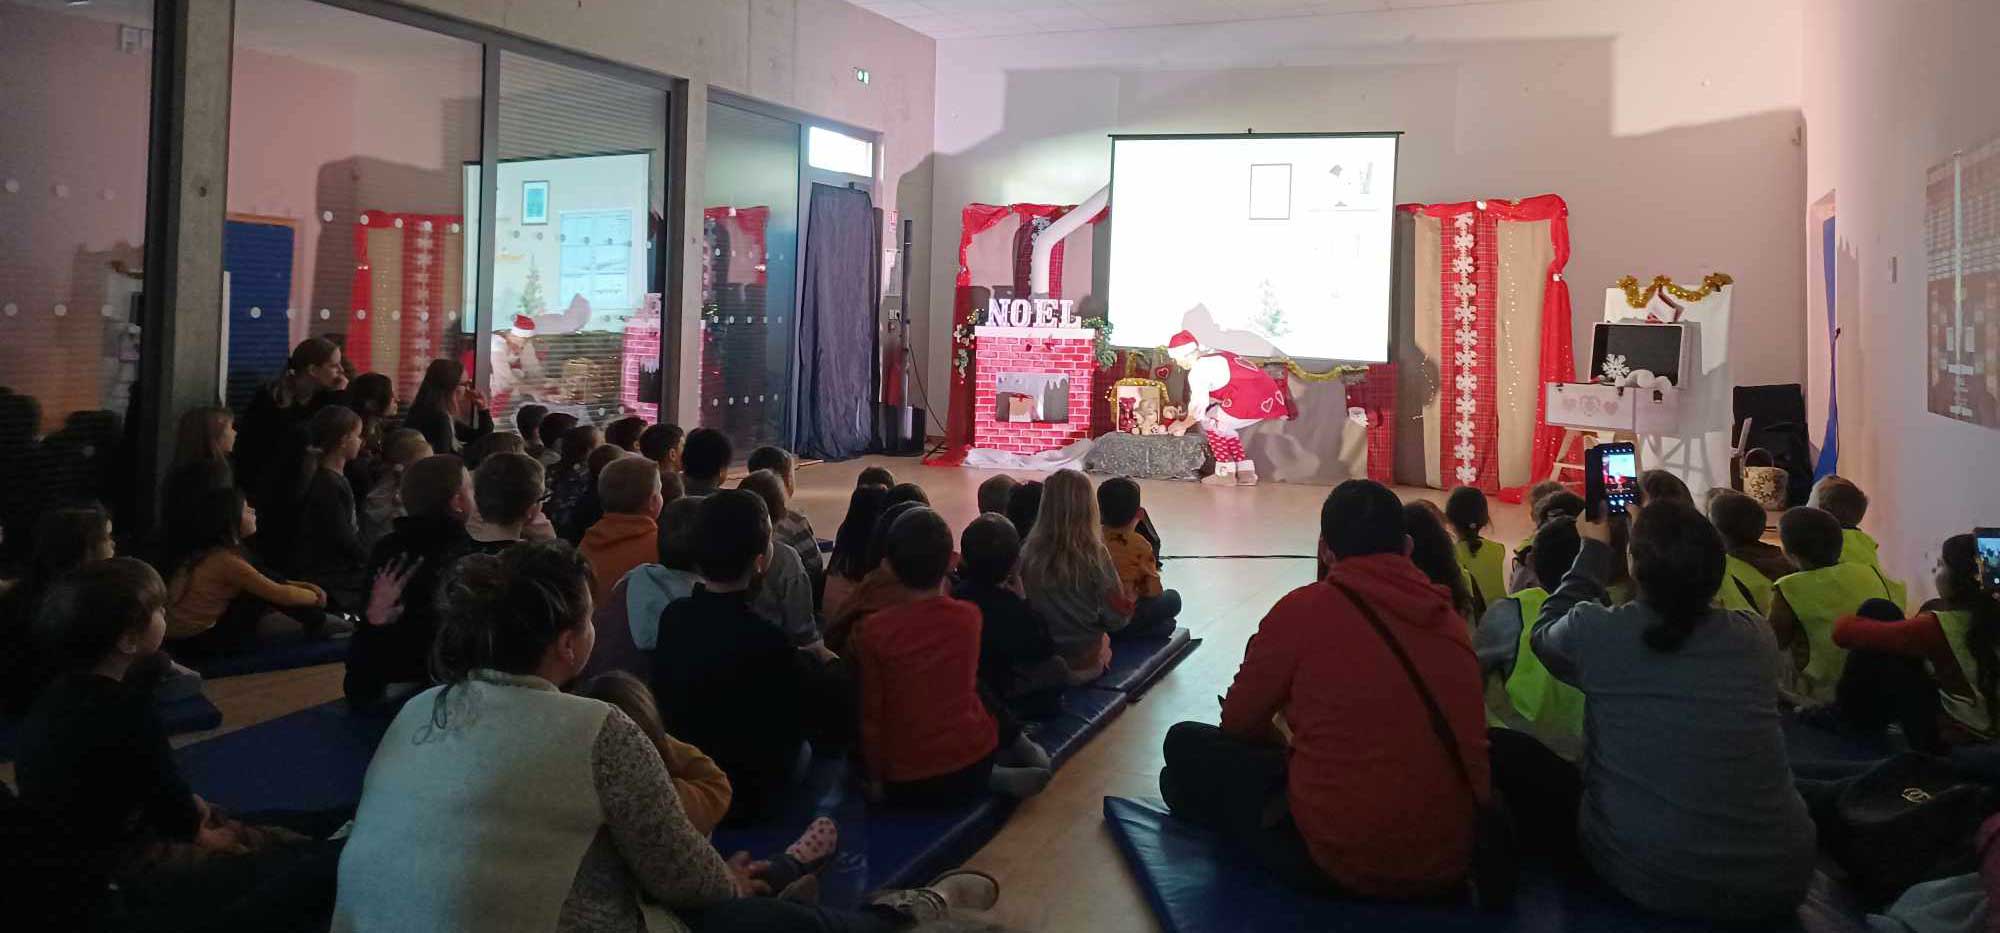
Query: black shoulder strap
{"points": [[1439, 724], [1744, 588]]}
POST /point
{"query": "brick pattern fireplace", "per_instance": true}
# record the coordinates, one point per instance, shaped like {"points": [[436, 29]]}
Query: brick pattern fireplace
{"points": [[1032, 351]]}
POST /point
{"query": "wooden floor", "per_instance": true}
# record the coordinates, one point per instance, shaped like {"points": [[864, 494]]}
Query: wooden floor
{"points": [[1057, 865]]}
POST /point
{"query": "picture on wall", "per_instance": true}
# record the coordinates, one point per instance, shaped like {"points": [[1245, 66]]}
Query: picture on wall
{"points": [[534, 202], [1962, 286]]}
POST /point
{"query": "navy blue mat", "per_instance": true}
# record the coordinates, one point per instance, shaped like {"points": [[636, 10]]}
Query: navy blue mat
{"points": [[188, 714], [1196, 885], [1808, 743], [313, 759], [1085, 712], [1137, 662], [277, 656], [908, 848]]}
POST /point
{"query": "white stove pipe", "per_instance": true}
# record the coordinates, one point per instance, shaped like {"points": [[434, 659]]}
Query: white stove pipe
{"points": [[1045, 242]]}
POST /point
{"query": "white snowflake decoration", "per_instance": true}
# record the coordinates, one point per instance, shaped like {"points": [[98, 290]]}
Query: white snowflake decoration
{"points": [[1467, 337], [1616, 368]]}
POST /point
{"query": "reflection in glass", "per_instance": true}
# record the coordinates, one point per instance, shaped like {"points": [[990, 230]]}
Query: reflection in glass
{"points": [[579, 193], [73, 142], [749, 276], [347, 200]]}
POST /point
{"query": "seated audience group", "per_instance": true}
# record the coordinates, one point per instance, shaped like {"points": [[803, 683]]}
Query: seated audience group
{"points": [[596, 646]]}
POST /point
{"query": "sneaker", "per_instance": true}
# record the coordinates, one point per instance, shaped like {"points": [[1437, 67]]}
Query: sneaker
{"points": [[176, 683], [337, 625], [816, 846], [958, 890]]}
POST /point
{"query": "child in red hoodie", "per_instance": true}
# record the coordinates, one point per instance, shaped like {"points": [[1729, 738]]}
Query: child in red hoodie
{"points": [[927, 734]]}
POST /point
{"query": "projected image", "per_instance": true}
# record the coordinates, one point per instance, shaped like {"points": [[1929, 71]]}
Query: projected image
{"points": [[1274, 243]]}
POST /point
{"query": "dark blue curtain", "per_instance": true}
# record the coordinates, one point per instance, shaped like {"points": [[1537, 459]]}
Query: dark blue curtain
{"points": [[838, 340]]}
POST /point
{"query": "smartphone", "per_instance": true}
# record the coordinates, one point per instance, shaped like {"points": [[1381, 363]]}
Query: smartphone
{"points": [[1610, 479], [1989, 556]]}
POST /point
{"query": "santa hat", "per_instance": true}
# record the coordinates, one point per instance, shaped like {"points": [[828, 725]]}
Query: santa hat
{"points": [[524, 326], [1182, 339]]}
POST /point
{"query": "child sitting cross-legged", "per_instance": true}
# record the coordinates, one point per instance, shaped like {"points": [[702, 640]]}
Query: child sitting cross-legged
{"points": [[1069, 575], [1138, 563], [1520, 693], [784, 593], [218, 601], [1017, 661], [628, 617], [927, 736], [382, 504], [94, 762], [628, 534], [792, 527], [1484, 561], [1559, 501], [703, 788], [1938, 672], [1746, 584], [1845, 501], [728, 680], [1808, 603]]}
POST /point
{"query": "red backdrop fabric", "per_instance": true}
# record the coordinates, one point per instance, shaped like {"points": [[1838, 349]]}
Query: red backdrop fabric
{"points": [[1556, 360]]}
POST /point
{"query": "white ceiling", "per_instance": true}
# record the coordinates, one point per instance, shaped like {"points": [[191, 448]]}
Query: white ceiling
{"points": [[964, 19]]}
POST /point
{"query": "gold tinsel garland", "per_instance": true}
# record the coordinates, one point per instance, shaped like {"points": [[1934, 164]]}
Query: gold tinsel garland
{"points": [[1639, 298]]}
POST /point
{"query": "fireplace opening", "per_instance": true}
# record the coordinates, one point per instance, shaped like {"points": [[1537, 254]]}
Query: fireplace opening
{"points": [[1041, 398]]}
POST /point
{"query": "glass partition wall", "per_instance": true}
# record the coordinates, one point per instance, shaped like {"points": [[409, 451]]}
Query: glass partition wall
{"points": [[749, 275], [367, 154], [74, 137]]}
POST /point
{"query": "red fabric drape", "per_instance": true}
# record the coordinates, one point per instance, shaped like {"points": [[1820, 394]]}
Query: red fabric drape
{"points": [[974, 220], [425, 307], [1556, 363]]}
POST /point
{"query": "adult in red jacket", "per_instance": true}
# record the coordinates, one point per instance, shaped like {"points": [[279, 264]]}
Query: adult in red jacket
{"points": [[1326, 765]]}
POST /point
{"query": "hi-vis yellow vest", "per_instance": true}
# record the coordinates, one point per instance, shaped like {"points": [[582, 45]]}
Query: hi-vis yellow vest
{"points": [[1969, 711], [1485, 572], [1856, 547], [1743, 587], [1553, 706], [1818, 599]]}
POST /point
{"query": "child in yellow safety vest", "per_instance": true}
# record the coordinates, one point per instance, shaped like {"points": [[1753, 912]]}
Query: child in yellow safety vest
{"points": [[1956, 637], [1741, 521], [1845, 501], [1825, 590], [1520, 693], [1485, 562]]}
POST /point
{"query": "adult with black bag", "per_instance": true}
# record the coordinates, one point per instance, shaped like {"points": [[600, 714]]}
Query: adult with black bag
{"points": [[1352, 794], [1902, 821], [1686, 803]]}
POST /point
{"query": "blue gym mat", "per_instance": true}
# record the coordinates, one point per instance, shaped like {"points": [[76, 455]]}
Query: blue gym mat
{"points": [[1137, 662], [278, 656], [1196, 884], [1085, 711], [313, 759], [188, 714]]}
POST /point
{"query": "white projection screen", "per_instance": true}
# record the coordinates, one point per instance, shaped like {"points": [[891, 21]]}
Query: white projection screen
{"points": [[1284, 240]]}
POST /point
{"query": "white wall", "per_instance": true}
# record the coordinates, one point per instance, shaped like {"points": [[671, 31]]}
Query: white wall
{"points": [[1671, 128], [1890, 90]]}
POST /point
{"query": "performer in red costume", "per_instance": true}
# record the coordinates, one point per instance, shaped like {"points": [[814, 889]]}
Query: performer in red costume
{"points": [[1225, 395]]}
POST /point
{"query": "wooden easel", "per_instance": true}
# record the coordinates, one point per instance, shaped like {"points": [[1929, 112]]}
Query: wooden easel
{"points": [[1583, 439]]}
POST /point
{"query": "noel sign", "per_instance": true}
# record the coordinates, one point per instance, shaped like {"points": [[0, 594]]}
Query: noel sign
{"points": [[1032, 312]]}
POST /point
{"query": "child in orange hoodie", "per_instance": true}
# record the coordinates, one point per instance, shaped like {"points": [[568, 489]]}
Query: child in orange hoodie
{"points": [[629, 533]]}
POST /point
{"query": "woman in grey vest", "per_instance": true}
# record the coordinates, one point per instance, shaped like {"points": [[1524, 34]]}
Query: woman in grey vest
{"points": [[497, 802]]}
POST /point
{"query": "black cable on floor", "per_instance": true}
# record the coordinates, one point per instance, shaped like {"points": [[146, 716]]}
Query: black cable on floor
{"points": [[1240, 557]]}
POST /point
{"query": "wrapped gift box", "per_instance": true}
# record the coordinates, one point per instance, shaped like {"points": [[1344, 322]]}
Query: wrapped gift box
{"points": [[1014, 406]]}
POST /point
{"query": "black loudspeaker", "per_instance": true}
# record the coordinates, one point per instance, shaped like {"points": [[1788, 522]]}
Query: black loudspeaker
{"points": [[892, 438]]}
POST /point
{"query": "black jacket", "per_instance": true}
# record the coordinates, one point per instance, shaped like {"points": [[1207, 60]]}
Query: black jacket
{"points": [[400, 652]]}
